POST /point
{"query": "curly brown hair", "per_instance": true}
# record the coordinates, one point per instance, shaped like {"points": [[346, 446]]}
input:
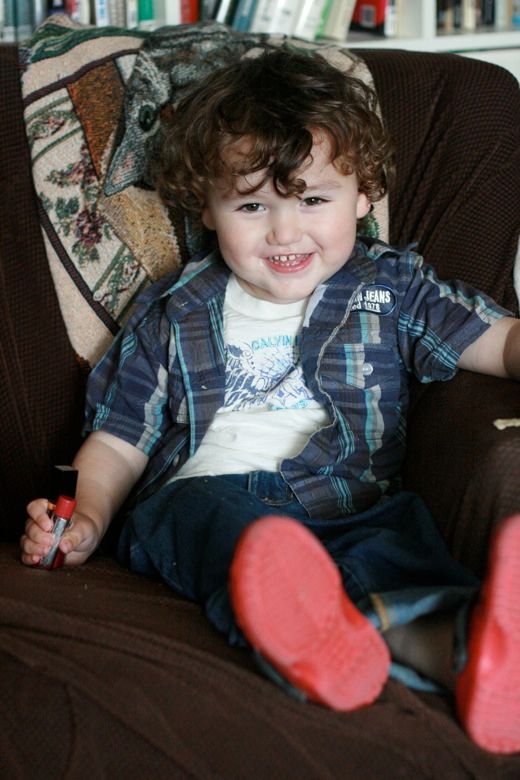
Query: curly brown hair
{"points": [[277, 101]]}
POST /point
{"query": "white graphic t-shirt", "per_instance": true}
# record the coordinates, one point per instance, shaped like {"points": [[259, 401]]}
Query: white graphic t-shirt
{"points": [[268, 412]]}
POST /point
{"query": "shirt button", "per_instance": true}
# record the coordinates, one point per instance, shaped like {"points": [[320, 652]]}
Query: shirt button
{"points": [[367, 369], [176, 460]]}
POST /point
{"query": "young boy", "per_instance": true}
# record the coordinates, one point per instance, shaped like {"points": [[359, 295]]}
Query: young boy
{"points": [[258, 402]]}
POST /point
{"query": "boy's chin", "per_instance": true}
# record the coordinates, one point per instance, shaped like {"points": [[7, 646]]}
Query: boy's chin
{"points": [[275, 293]]}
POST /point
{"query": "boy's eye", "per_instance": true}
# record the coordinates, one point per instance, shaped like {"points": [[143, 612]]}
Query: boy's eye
{"points": [[251, 208], [314, 200]]}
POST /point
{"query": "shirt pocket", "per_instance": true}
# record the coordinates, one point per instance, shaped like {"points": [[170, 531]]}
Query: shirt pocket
{"points": [[369, 365]]}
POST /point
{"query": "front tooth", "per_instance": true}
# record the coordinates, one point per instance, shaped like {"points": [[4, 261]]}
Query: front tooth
{"points": [[284, 258]]}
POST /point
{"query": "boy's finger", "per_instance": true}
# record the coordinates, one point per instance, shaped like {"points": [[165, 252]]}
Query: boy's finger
{"points": [[29, 559], [37, 507], [38, 512], [36, 535], [71, 549], [32, 550], [74, 536], [38, 525], [69, 542]]}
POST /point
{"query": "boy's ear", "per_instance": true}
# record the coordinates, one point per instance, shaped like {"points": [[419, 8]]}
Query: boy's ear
{"points": [[363, 205], [207, 219]]}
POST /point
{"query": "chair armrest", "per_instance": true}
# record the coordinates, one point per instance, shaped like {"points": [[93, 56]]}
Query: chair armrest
{"points": [[42, 381], [466, 470]]}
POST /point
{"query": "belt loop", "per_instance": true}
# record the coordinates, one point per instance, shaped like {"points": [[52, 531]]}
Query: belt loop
{"points": [[252, 482]]}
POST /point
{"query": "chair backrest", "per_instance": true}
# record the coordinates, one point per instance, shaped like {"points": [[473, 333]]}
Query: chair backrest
{"points": [[456, 125]]}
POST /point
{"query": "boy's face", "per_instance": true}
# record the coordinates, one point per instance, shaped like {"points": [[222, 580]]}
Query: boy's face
{"points": [[280, 248]]}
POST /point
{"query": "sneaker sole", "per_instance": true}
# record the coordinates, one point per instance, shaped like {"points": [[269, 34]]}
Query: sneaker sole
{"points": [[289, 601], [488, 689]]}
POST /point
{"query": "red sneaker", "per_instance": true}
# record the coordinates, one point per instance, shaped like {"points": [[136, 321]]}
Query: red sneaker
{"points": [[488, 688], [289, 601]]}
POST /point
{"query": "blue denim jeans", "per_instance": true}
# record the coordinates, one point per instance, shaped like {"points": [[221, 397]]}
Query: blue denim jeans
{"points": [[394, 564]]}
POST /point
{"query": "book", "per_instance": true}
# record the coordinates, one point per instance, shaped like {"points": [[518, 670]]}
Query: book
{"points": [[324, 16], [72, 9], [24, 19], [56, 7], [308, 23], [39, 12], [276, 16], [457, 14], [83, 14], [189, 11], [9, 32], [208, 9], [444, 20], [99, 13], [503, 14], [449, 15], [469, 15], [244, 15], [117, 12], [132, 13], [379, 17], [166, 12], [226, 11], [16, 20], [145, 14], [338, 19], [487, 13]]}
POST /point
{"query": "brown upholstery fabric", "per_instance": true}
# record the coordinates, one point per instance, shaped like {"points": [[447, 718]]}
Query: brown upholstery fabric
{"points": [[106, 674], [456, 124], [457, 129], [467, 469], [41, 400]]}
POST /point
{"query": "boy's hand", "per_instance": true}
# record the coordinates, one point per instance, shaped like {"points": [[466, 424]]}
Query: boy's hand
{"points": [[77, 543], [108, 469]]}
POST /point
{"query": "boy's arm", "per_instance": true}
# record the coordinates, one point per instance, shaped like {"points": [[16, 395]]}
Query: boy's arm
{"points": [[496, 352], [108, 468]]}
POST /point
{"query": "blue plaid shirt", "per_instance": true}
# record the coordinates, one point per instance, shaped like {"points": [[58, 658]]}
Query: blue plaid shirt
{"points": [[382, 317]]}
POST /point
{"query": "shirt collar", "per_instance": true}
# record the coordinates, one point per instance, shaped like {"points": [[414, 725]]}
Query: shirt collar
{"points": [[201, 280], [205, 277]]}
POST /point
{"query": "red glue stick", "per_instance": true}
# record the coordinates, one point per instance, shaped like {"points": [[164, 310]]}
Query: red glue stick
{"points": [[61, 518]]}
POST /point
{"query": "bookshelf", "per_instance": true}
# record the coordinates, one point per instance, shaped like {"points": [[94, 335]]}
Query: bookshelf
{"points": [[416, 22], [418, 32]]}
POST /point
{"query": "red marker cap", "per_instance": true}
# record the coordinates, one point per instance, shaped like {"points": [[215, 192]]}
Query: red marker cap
{"points": [[65, 507]]}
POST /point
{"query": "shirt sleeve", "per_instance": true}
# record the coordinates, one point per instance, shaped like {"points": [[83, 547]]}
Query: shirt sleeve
{"points": [[127, 392], [439, 320]]}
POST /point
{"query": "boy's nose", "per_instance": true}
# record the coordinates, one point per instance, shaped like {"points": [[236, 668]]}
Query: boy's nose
{"points": [[284, 229]]}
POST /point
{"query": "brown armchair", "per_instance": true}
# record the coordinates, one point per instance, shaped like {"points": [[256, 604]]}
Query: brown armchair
{"points": [[107, 674]]}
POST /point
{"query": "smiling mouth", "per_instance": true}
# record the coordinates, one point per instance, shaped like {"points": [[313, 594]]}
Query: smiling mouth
{"points": [[290, 261]]}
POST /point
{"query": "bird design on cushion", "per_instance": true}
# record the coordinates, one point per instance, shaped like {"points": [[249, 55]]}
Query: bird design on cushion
{"points": [[169, 62]]}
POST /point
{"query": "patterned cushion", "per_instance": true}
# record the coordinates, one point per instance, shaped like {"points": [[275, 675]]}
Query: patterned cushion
{"points": [[92, 100]]}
